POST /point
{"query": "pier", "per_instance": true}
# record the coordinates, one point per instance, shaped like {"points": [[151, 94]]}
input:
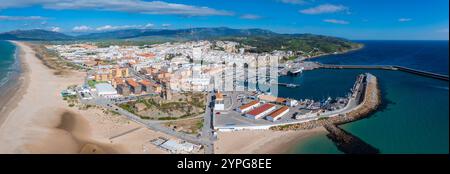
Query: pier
{"points": [[348, 143], [289, 85], [383, 67], [316, 65], [368, 99], [421, 73]]}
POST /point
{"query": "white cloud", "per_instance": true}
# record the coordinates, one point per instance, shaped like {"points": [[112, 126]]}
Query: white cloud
{"points": [[123, 27], [82, 28], [55, 29], [293, 1], [250, 16], [149, 25], [119, 27], [324, 8], [404, 19], [132, 6], [335, 21], [166, 25], [18, 18]]}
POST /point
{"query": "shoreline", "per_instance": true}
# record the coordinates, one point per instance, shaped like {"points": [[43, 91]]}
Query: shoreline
{"points": [[13, 90], [262, 141], [37, 120], [338, 53]]}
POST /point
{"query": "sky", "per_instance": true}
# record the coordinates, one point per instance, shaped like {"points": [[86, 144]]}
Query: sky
{"points": [[351, 19]]}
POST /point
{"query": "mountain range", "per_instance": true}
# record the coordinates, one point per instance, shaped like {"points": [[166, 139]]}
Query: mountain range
{"points": [[194, 33], [262, 40]]}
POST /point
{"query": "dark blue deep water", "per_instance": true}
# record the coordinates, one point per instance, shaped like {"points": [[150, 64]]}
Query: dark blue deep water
{"points": [[414, 115], [423, 55]]}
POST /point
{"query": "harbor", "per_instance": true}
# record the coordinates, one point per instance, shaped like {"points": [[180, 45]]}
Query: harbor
{"points": [[247, 113], [297, 67], [367, 99]]}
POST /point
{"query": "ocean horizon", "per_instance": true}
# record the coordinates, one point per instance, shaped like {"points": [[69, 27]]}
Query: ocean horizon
{"points": [[413, 117]]}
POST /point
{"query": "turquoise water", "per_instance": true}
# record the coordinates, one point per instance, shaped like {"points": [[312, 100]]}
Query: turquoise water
{"points": [[7, 61], [413, 118], [414, 114]]}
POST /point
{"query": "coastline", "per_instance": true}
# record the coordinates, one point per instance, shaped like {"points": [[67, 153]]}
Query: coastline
{"points": [[36, 120], [12, 91], [342, 52], [262, 141]]}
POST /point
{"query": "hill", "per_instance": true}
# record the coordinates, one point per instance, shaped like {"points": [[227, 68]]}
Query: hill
{"points": [[35, 34], [262, 40]]}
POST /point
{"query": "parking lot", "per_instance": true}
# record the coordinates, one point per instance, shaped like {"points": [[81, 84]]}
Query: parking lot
{"points": [[233, 118]]}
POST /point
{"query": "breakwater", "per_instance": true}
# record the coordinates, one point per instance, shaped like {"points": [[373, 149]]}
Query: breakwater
{"points": [[348, 143], [421, 73], [387, 67], [317, 65], [371, 99]]}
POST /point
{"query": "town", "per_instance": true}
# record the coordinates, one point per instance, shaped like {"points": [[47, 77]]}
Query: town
{"points": [[207, 86]]}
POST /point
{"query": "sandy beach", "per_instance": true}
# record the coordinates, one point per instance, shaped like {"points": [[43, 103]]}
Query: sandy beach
{"points": [[37, 120], [261, 141]]}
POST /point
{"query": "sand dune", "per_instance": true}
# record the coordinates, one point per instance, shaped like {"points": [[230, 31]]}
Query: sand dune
{"points": [[37, 120]]}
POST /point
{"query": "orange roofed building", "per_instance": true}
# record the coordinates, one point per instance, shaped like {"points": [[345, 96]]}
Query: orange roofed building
{"points": [[249, 106], [148, 86], [219, 103], [275, 115], [108, 74], [261, 111], [134, 86]]}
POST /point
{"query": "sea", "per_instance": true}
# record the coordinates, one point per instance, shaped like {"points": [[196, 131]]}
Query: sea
{"points": [[10, 71], [414, 115], [8, 62]]}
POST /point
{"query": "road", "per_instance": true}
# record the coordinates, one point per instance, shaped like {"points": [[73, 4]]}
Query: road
{"points": [[153, 125], [207, 135], [235, 119], [208, 127]]}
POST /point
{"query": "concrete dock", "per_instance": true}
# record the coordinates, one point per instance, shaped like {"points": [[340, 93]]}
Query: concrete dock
{"points": [[317, 65], [348, 143], [388, 67]]}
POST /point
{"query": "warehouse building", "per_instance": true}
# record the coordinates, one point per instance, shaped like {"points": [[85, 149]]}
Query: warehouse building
{"points": [[275, 115], [249, 106], [260, 111], [105, 90]]}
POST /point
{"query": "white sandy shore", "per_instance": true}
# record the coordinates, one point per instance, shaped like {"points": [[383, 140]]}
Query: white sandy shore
{"points": [[37, 120], [262, 141]]}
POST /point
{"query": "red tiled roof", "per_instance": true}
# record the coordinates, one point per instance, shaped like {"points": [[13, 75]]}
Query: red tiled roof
{"points": [[261, 109], [248, 104], [118, 80], [278, 111], [132, 82], [219, 96], [146, 82]]}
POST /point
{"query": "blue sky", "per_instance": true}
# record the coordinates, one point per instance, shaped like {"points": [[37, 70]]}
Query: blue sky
{"points": [[352, 19]]}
